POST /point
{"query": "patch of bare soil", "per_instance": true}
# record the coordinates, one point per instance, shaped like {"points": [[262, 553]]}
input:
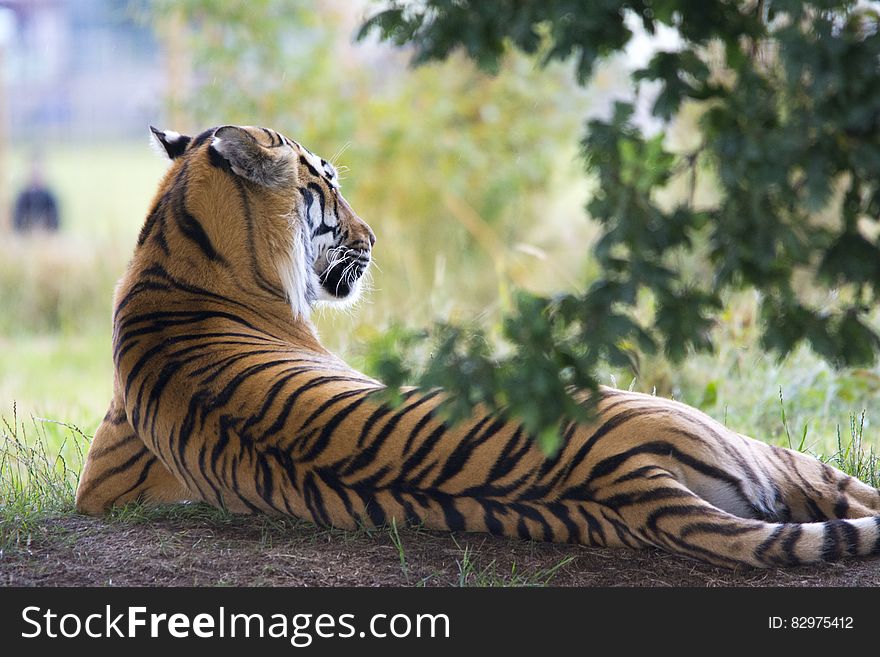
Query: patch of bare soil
{"points": [[82, 551]]}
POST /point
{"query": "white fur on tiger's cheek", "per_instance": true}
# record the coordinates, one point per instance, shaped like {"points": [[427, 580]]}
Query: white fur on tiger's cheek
{"points": [[314, 214], [295, 275]]}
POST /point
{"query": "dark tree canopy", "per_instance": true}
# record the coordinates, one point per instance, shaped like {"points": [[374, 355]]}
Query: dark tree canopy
{"points": [[789, 135]]}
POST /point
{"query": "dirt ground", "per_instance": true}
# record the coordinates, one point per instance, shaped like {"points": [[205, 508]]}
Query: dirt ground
{"points": [[73, 550]]}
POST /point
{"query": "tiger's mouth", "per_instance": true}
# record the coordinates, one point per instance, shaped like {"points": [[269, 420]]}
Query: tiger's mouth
{"points": [[341, 270]]}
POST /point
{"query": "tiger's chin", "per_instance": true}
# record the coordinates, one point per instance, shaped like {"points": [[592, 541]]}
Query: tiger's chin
{"points": [[341, 283], [340, 294]]}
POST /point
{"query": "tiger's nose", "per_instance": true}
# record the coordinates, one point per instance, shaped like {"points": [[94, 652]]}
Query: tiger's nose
{"points": [[372, 237]]}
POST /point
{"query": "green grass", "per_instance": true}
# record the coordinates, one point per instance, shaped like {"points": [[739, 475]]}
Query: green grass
{"points": [[40, 462], [475, 571], [854, 457], [397, 541]]}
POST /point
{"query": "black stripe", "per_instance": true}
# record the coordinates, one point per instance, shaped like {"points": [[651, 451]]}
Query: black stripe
{"points": [[851, 536], [816, 514], [157, 271], [376, 513], [274, 391], [375, 445], [610, 464], [531, 513], [163, 379], [676, 510], [606, 427], [334, 399], [594, 527], [274, 139], [790, 543], [128, 463], [624, 535], [264, 282], [451, 515], [508, 490], [142, 477], [766, 544], [193, 230], [416, 430], [560, 511], [327, 431], [214, 369], [566, 432], [236, 487], [308, 199], [831, 542], [305, 163], [266, 483], [426, 448], [621, 500], [457, 461], [203, 137], [196, 411], [493, 525], [674, 544], [380, 412], [226, 423], [281, 420], [315, 187], [314, 501], [102, 452], [222, 398], [644, 472], [329, 476], [152, 218], [411, 517], [218, 496], [509, 457]]}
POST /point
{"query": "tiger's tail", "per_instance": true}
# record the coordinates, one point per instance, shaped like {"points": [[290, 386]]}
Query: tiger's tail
{"points": [[686, 524]]}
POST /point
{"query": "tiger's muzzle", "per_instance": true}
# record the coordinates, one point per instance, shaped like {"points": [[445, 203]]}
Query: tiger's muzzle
{"points": [[344, 267]]}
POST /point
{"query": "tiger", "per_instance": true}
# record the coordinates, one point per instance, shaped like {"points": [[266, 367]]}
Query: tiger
{"points": [[224, 394]]}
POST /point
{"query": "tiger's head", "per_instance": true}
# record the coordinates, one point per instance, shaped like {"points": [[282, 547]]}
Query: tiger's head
{"points": [[248, 205]]}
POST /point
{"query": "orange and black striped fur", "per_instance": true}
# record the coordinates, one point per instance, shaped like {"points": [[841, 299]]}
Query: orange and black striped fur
{"points": [[224, 394]]}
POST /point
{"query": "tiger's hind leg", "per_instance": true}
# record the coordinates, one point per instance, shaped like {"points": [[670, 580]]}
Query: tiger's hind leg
{"points": [[811, 490], [661, 510], [119, 468]]}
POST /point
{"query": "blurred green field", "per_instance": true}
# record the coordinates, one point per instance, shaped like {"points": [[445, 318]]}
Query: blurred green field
{"points": [[56, 291]]}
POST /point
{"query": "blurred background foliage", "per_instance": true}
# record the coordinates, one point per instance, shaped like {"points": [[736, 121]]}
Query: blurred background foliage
{"points": [[472, 180], [789, 127], [444, 161]]}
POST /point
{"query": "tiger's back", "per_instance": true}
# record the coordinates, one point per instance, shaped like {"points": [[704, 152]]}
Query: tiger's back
{"points": [[224, 394]]}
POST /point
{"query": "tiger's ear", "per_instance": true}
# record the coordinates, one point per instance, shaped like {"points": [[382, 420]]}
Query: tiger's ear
{"points": [[246, 157], [173, 143]]}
